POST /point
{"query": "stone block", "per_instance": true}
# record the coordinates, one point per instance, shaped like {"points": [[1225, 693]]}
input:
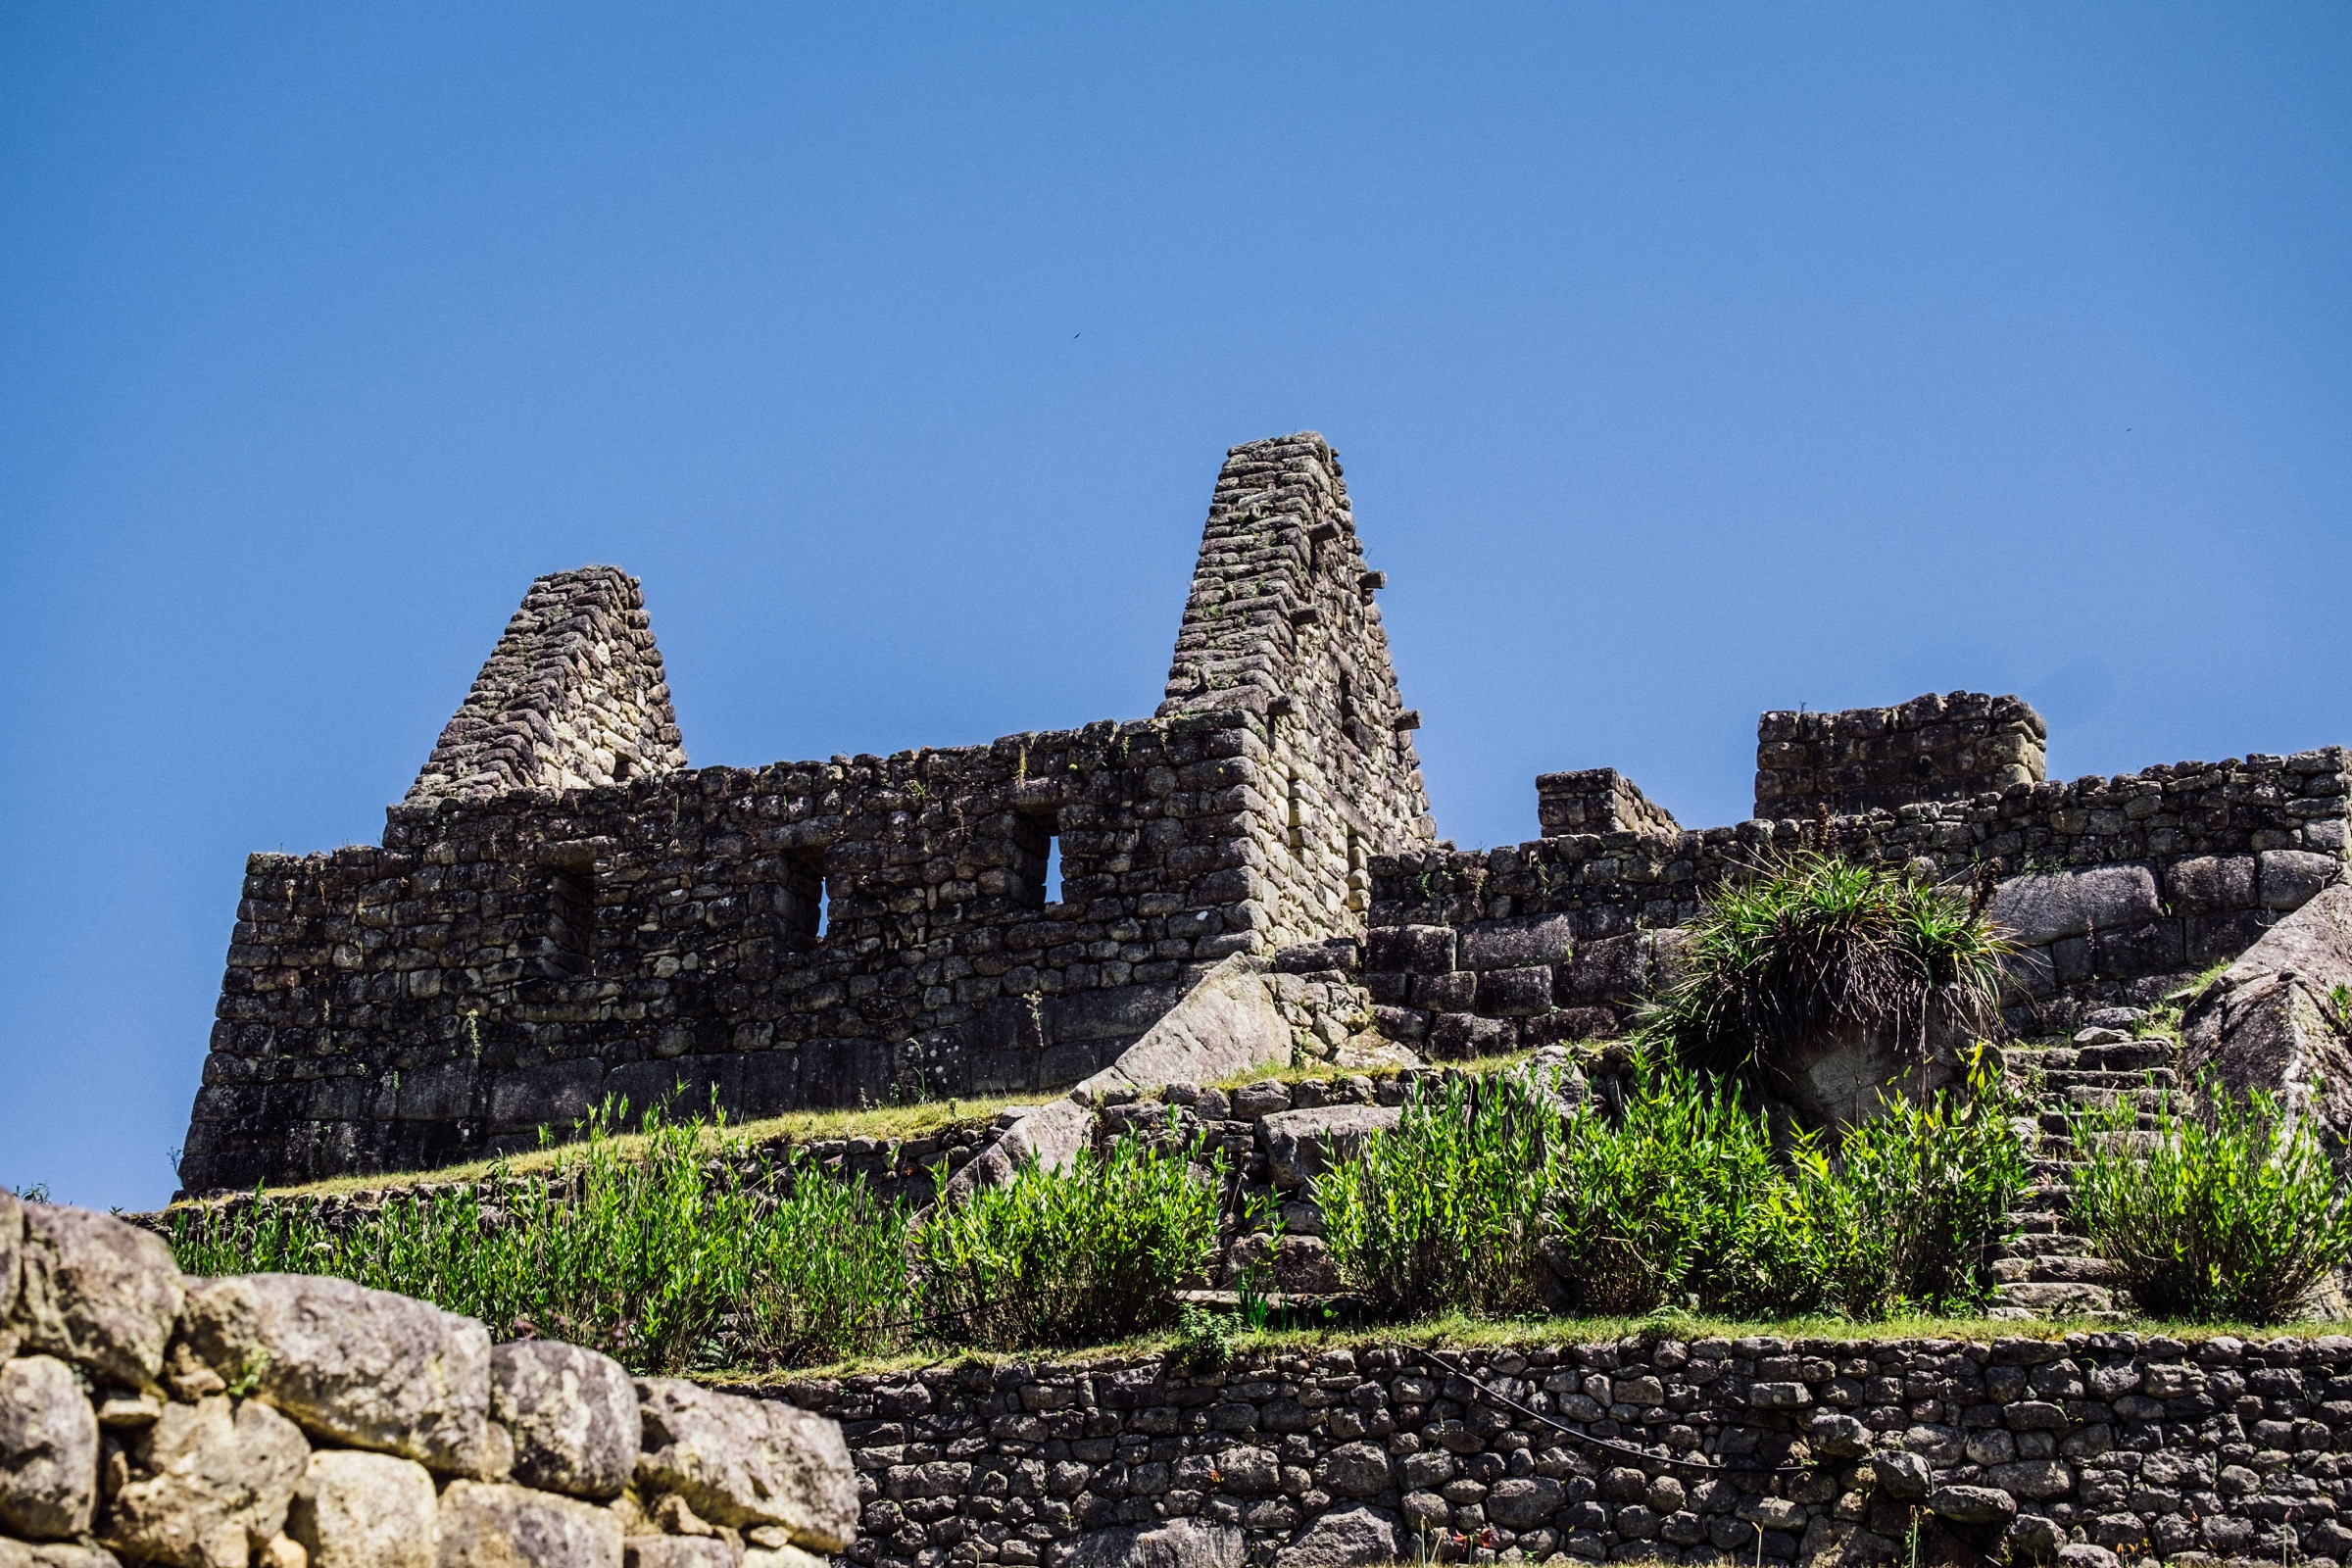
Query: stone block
{"points": [[364, 1510], [2211, 884], [492, 1525], [1411, 948], [1462, 1036], [2153, 947], [1517, 944], [1516, 992], [207, 1486], [1180, 1543], [356, 1366], [1301, 1143], [2290, 878], [572, 1414], [2043, 907], [1609, 970], [1350, 1537], [48, 1451], [557, 1094], [743, 1462], [98, 1292], [1455, 992]]}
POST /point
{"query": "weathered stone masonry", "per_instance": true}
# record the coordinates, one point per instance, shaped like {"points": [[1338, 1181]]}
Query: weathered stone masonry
{"points": [[2109, 1441], [560, 910], [2118, 888]]}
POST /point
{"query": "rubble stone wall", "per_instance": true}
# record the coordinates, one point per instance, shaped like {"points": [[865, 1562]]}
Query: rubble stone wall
{"points": [[798, 935], [561, 912], [147, 1417], [1928, 749], [2118, 888], [1704, 1452]]}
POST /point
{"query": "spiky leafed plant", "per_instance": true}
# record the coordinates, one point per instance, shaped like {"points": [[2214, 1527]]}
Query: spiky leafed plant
{"points": [[1813, 943]]}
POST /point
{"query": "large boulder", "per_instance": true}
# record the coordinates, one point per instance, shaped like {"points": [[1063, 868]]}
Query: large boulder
{"points": [[492, 1525], [1301, 1143], [54, 1555], [572, 1414], [2271, 1021], [1352, 1538], [48, 1451], [746, 1462], [1169, 1543], [1844, 1076], [207, 1486], [2044, 907], [364, 1510], [12, 1267], [1227, 1024], [356, 1366], [97, 1291]]}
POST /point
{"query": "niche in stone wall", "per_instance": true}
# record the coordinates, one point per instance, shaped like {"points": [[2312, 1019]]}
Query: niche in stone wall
{"points": [[564, 945], [805, 910], [1037, 859]]}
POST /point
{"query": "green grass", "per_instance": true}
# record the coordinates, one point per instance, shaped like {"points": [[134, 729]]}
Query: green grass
{"points": [[1469, 1332], [883, 1123], [641, 1247], [1484, 1190]]}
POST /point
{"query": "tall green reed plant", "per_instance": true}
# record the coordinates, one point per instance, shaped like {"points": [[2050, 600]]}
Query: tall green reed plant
{"points": [[1447, 1211], [1071, 1256], [669, 1260], [2228, 1211]]}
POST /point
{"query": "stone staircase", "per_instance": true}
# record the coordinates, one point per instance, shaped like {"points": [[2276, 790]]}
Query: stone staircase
{"points": [[2050, 1268]]}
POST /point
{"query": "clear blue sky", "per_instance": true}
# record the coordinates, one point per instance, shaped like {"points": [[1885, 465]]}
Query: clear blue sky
{"points": [[1686, 360]]}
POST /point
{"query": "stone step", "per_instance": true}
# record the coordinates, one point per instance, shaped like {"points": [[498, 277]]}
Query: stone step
{"points": [[2037, 1299], [2147, 1052], [2054, 1270], [2044, 1243]]}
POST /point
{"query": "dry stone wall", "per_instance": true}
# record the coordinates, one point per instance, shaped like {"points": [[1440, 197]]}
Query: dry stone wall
{"points": [[2118, 888], [1866, 759], [1702, 1451], [503, 964], [1282, 621], [573, 697], [561, 912], [300, 1422]]}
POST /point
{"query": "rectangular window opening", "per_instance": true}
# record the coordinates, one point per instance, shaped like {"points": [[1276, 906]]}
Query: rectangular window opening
{"points": [[568, 928], [1037, 860], [808, 911]]}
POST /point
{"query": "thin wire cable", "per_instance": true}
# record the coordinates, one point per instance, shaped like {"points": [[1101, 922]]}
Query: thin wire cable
{"points": [[1710, 1466]]}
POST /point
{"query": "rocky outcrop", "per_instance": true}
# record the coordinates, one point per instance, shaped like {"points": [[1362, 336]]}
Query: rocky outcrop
{"points": [[2279, 1018], [1226, 1025], [290, 1421]]}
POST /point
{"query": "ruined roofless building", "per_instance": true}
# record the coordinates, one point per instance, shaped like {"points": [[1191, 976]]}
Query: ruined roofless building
{"points": [[563, 910]]}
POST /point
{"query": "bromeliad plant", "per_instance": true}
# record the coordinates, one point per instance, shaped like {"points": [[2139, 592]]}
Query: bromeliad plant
{"points": [[1815, 943], [2228, 1211]]}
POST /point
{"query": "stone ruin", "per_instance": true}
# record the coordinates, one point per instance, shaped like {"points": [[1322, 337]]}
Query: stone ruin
{"points": [[294, 1421], [563, 910]]}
